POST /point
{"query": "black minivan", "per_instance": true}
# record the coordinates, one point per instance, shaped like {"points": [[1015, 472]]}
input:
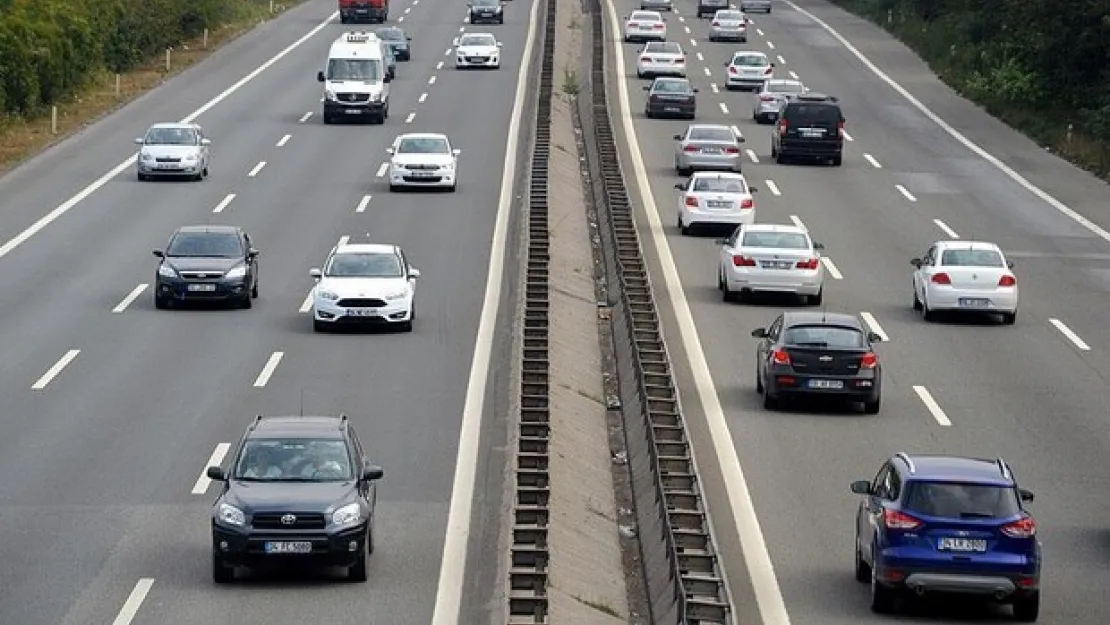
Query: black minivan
{"points": [[809, 126]]}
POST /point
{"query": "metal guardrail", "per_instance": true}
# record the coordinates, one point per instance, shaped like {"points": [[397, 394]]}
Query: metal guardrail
{"points": [[529, 557]]}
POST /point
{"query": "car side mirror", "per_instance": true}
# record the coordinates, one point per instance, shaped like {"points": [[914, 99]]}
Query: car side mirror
{"points": [[1026, 495], [772, 64], [253, 253], [455, 41], [387, 78], [916, 262], [216, 474], [874, 337], [320, 76], [414, 272], [408, 37], [818, 246], [456, 151], [759, 333], [1009, 264], [372, 472], [315, 273], [861, 487], [680, 187], [138, 140], [741, 140], [206, 142], [389, 150], [647, 88], [721, 241], [753, 189], [498, 44], [678, 137], [159, 253], [696, 90]]}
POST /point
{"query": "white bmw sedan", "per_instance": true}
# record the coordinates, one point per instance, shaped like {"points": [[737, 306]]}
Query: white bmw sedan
{"points": [[771, 258], [661, 58], [715, 198], [423, 160], [645, 26], [364, 284], [965, 276]]}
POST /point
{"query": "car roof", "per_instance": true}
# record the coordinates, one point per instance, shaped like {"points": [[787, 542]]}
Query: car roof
{"points": [[967, 245], [783, 81], [748, 53], [297, 427], [724, 175], [211, 228], [928, 467], [774, 228], [708, 127], [663, 44], [643, 14], [422, 135], [189, 126], [819, 318], [813, 97], [366, 248], [665, 79]]}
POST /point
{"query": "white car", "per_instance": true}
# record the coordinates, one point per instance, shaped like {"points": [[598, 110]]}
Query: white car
{"points": [[423, 160], [645, 26], [661, 58], [481, 50], [748, 70], [173, 150], [771, 258], [715, 198], [367, 284], [729, 24], [967, 276]]}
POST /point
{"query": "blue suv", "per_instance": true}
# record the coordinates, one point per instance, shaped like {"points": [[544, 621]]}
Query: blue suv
{"points": [[946, 524]]}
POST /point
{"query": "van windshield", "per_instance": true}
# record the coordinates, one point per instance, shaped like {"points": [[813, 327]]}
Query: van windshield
{"points": [[369, 70]]}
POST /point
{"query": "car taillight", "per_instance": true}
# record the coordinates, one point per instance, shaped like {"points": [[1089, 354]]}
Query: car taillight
{"points": [[869, 361], [732, 150], [940, 278], [780, 357], [840, 129], [767, 98], [645, 59], [896, 520], [680, 61], [807, 264], [1007, 281], [690, 149], [747, 204], [743, 261], [630, 24], [769, 70], [716, 23], [657, 26], [731, 70], [784, 127], [1025, 528], [691, 201]]}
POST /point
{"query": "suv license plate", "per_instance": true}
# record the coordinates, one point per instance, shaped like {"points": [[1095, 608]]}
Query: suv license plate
{"points": [[811, 133], [289, 547], [962, 544], [202, 287], [834, 384]]}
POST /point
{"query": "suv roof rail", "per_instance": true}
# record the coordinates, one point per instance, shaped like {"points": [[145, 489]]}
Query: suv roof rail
{"points": [[1004, 468], [905, 458]]}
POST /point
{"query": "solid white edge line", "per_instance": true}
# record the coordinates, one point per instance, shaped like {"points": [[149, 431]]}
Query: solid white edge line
{"points": [[257, 168], [873, 323], [452, 567], [871, 159], [1070, 335], [382, 169], [306, 305], [798, 222], [757, 559], [1043, 195], [932, 406], [946, 228], [134, 601], [773, 187], [202, 483], [55, 370], [268, 369], [281, 142], [65, 207], [363, 203], [831, 267], [131, 297], [905, 193], [224, 203]]}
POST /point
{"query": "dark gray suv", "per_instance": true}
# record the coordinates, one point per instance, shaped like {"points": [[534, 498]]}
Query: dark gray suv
{"points": [[710, 7], [810, 126]]}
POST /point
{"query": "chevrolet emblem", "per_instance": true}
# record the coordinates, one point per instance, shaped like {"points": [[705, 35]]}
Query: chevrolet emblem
{"points": [[825, 359]]}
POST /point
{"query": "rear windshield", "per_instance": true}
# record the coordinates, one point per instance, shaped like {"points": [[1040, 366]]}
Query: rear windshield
{"points": [[783, 240], [712, 134], [645, 17], [835, 337], [671, 86], [953, 500], [971, 258], [720, 185], [785, 87], [749, 60], [663, 47], [809, 113], [730, 15]]}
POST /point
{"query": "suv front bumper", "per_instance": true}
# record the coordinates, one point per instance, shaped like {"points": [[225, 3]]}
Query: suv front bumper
{"points": [[247, 548]]}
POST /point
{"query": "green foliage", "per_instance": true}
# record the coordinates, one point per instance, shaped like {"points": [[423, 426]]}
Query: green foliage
{"points": [[51, 48], [1040, 65]]}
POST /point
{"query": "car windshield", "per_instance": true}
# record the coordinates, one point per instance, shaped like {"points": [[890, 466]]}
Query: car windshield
{"points": [[478, 40], [391, 34], [712, 134], [172, 136], [364, 265], [486, 3], [662, 47], [720, 185], [369, 70], [749, 60], [971, 258], [645, 17], [813, 113], [834, 337], [780, 240], [671, 86], [961, 500], [730, 16], [423, 145], [785, 87], [294, 460], [205, 245]]}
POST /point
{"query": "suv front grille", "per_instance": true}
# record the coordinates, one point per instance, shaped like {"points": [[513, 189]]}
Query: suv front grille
{"points": [[304, 521], [356, 302], [353, 97]]}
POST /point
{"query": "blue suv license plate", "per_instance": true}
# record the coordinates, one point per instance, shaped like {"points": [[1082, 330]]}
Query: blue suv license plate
{"points": [[962, 544], [302, 546]]}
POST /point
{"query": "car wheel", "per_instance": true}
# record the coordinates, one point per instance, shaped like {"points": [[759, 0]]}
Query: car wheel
{"points": [[780, 158], [863, 570], [319, 326], [1027, 608], [758, 382], [254, 291], [198, 177], [770, 402], [343, 20], [1009, 318], [357, 573], [327, 119], [815, 300], [221, 573], [685, 229], [926, 313], [873, 407], [774, 152], [246, 302], [452, 188], [141, 176], [916, 300], [726, 293], [882, 598], [684, 171], [393, 188], [837, 160]]}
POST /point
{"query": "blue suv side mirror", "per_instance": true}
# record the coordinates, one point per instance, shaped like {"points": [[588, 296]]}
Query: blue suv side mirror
{"points": [[861, 487]]}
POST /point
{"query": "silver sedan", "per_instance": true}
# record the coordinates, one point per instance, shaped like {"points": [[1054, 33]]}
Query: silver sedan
{"points": [[729, 25], [770, 97], [705, 147]]}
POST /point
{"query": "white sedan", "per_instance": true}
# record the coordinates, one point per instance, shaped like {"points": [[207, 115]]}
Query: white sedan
{"points": [[645, 26], [661, 58], [364, 284], [423, 160], [715, 198], [771, 258], [480, 50], [966, 276]]}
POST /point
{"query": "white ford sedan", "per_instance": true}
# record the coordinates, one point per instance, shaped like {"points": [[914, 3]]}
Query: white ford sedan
{"points": [[715, 198], [364, 284], [965, 276], [771, 258]]}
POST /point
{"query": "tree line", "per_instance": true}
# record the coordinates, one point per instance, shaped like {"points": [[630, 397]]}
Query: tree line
{"points": [[1043, 66]]}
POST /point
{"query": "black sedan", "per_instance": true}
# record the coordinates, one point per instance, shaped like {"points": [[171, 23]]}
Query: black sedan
{"points": [[207, 264], [671, 97], [818, 354], [487, 12], [398, 40]]}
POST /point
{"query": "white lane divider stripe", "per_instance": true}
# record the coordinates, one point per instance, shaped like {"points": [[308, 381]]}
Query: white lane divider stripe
{"points": [[217, 457], [724, 107], [752, 156], [432, 80], [306, 305], [439, 65], [830, 267], [932, 406], [343, 240], [873, 323], [363, 203], [708, 73], [134, 601], [687, 29], [56, 369], [447, 52], [798, 222], [281, 142], [794, 75], [905, 192], [713, 86], [770, 45], [423, 96], [782, 61], [1070, 335], [760, 31], [408, 10], [694, 42], [224, 203], [411, 116], [947, 230], [773, 187], [847, 137], [382, 169], [304, 118], [131, 297], [700, 57], [257, 168], [268, 369], [874, 163]]}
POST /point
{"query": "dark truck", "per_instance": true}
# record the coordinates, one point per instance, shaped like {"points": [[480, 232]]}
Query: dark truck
{"points": [[373, 11]]}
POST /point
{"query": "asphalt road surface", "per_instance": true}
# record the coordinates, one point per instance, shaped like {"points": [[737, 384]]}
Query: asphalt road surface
{"points": [[112, 409], [1033, 393]]}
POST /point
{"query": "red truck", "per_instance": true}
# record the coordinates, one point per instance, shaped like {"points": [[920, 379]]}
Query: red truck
{"points": [[373, 11]]}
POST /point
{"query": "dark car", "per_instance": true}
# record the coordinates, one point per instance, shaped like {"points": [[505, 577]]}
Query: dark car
{"points": [[710, 7], [818, 354], [207, 264], [398, 40], [947, 525], [487, 12], [300, 490], [809, 126], [363, 11], [671, 97]]}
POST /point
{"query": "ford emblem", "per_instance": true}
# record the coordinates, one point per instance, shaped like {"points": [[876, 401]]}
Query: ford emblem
{"points": [[288, 519]]}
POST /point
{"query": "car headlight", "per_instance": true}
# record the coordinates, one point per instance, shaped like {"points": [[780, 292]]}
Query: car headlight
{"points": [[497, 10], [230, 515], [146, 156], [236, 272], [329, 94], [347, 515], [166, 271], [190, 158], [397, 295], [328, 295]]}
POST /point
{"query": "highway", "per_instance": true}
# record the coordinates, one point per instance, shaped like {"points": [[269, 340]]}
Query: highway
{"points": [[1033, 393], [113, 410]]}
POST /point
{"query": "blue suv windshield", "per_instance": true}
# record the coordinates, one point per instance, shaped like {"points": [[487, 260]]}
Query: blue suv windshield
{"points": [[957, 500]]}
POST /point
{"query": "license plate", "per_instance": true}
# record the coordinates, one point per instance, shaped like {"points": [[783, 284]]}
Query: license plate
{"points": [[812, 133], [718, 204], [962, 544], [423, 174], [353, 111], [167, 166], [671, 109], [775, 264], [974, 302], [202, 287], [711, 150], [361, 312], [289, 547], [833, 384]]}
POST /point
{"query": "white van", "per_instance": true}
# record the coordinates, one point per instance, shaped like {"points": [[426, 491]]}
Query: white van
{"points": [[356, 78]]}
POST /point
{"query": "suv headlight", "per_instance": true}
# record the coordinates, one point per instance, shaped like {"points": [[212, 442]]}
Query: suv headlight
{"points": [[236, 272], [347, 515], [396, 295], [328, 295], [230, 515], [166, 271]]}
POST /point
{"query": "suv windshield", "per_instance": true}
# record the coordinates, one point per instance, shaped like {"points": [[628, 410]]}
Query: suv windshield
{"points": [[955, 500], [423, 145], [782, 240], [171, 136], [971, 258], [294, 460], [813, 113], [205, 244], [835, 337], [364, 265], [369, 70]]}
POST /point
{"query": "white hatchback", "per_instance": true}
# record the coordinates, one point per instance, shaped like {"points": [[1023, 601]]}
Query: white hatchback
{"points": [[771, 258], [369, 284], [661, 58], [715, 198], [965, 276], [645, 26]]}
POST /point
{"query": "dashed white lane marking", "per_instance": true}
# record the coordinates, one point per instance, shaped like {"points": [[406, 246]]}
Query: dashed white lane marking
{"points": [[401, 19], [707, 72], [681, 19], [281, 142], [774, 188], [798, 222], [382, 169], [257, 168], [759, 31], [831, 267], [53, 371], [131, 297], [432, 80], [905, 192], [304, 118], [694, 42], [321, 98], [847, 137], [343, 240], [463, 28], [306, 305], [873, 323], [933, 407], [700, 57], [782, 61], [439, 66], [1070, 335], [794, 75], [947, 230], [224, 203], [447, 52], [134, 601], [770, 45], [724, 107], [871, 159], [408, 10], [736, 130], [423, 96], [202, 483], [411, 116], [363, 203], [268, 369], [687, 29], [752, 156], [713, 86]]}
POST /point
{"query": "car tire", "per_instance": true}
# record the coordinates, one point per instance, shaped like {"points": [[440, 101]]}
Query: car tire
{"points": [[873, 407], [221, 573], [926, 313], [863, 569], [815, 300], [141, 177], [883, 599], [685, 172], [343, 20], [319, 326], [327, 119], [246, 303], [758, 382], [770, 402], [1009, 318], [453, 188], [916, 300], [1027, 609], [837, 160], [780, 158], [254, 290], [357, 573]]}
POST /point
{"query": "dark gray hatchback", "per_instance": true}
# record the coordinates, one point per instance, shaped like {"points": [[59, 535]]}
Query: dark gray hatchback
{"points": [[809, 126]]}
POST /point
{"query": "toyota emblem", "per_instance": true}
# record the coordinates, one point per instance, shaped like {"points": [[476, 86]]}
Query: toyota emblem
{"points": [[288, 519]]}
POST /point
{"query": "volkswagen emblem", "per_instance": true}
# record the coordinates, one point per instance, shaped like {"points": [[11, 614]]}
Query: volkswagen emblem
{"points": [[825, 359], [288, 519]]}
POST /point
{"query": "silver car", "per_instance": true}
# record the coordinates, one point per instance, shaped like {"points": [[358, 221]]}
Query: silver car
{"points": [[756, 5], [707, 147], [729, 25], [771, 96], [656, 5], [173, 150]]}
